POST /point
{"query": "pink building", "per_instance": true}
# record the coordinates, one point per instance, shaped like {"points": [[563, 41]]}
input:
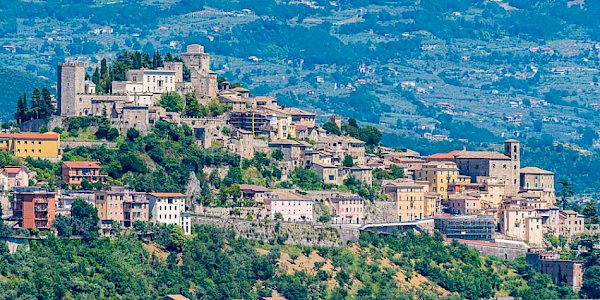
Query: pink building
{"points": [[11, 177], [464, 204], [346, 210]]}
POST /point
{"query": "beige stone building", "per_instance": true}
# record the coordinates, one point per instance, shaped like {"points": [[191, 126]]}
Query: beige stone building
{"points": [[503, 166], [203, 79], [438, 174], [570, 223], [329, 173], [71, 78], [342, 146], [254, 193], [413, 200], [539, 181], [521, 222]]}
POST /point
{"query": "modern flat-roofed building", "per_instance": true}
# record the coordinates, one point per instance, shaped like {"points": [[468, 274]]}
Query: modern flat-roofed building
{"points": [[34, 208], [466, 227]]}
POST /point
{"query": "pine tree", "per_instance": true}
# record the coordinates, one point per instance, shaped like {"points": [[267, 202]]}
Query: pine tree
{"points": [[168, 57], [157, 60], [146, 61]]}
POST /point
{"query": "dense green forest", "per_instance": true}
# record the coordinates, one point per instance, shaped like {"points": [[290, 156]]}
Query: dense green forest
{"points": [[212, 264]]}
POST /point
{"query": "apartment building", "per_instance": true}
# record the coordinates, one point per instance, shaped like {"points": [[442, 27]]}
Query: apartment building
{"points": [[438, 174], [413, 199], [521, 222], [169, 208], [34, 208], [75, 172], [121, 205], [464, 204], [346, 210]]}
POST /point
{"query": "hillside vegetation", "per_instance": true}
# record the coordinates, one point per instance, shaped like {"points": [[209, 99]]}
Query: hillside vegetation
{"points": [[214, 265]]}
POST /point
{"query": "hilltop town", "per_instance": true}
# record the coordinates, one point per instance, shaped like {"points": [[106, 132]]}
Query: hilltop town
{"points": [[264, 165]]}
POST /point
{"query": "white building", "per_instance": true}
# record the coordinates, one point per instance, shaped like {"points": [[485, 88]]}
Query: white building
{"points": [[169, 208], [289, 206]]}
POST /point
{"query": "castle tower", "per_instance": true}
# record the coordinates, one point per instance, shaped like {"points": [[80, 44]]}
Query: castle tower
{"points": [[512, 149], [177, 67], [203, 79], [71, 82]]}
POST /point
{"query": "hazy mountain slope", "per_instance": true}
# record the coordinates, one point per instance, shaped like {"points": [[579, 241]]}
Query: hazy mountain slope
{"points": [[13, 84]]}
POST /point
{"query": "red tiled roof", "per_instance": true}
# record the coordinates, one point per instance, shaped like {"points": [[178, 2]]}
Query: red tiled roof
{"points": [[255, 188], [177, 297], [163, 195], [12, 170], [81, 164], [31, 136], [449, 155]]}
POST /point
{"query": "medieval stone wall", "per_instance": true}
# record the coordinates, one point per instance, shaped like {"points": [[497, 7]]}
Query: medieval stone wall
{"points": [[288, 233]]}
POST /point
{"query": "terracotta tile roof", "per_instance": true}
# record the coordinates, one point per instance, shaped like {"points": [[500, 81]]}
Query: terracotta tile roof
{"points": [[298, 112], [481, 155], [255, 188], [177, 297], [449, 155], [163, 195], [12, 170], [535, 170], [81, 164], [31, 136]]}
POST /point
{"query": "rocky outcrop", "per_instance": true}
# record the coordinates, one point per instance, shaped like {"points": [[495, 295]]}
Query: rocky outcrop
{"points": [[380, 212]]}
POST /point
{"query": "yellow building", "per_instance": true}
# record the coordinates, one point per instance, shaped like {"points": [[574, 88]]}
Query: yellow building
{"points": [[438, 174], [39, 145], [413, 200]]}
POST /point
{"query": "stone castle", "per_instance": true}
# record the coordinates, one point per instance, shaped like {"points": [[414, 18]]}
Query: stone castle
{"points": [[132, 103]]}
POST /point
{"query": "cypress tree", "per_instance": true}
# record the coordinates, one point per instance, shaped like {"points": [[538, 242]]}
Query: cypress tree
{"points": [[21, 108], [36, 98], [46, 103]]}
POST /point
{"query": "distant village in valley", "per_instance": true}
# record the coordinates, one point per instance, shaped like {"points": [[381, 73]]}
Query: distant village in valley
{"points": [[486, 200]]}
